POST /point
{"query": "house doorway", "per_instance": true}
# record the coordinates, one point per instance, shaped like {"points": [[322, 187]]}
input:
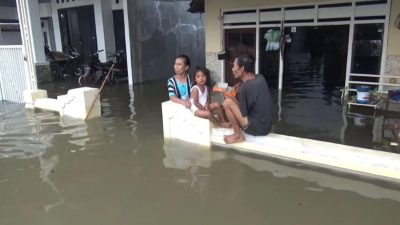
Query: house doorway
{"points": [[119, 29], [78, 30], [316, 54], [237, 42]]}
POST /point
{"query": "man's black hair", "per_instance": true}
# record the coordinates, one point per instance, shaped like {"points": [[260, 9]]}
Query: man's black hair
{"points": [[247, 61]]}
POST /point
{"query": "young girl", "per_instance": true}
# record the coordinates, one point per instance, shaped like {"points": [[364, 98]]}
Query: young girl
{"points": [[200, 99]]}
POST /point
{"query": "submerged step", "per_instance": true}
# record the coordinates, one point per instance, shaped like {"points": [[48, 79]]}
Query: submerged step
{"points": [[47, 104], [80, 103]]}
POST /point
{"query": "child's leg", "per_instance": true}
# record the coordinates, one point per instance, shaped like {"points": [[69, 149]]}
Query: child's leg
{"points": [[207, 115], [217, 107]]}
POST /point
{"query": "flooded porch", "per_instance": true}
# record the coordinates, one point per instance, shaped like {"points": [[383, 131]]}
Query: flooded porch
{"points": [[118, 170]]}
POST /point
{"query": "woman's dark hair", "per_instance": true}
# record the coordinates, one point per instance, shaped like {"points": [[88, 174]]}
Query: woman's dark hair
{"points": [[185, 58], [247, 61], [206, 72]]}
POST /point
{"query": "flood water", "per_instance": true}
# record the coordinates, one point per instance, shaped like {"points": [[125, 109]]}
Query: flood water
{"points": [[119, 170]]}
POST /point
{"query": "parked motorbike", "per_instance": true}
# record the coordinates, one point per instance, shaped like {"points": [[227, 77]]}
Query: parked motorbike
{"points": [[61, 63], [120, 68], [94, 72]]}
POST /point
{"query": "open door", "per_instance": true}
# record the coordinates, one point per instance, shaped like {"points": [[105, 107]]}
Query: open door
{"points": [[78, 30], [237, 42]]}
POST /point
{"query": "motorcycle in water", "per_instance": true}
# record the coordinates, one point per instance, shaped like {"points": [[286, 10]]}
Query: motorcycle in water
{"points": [[95, 71], [62, 64], [120, 70]]}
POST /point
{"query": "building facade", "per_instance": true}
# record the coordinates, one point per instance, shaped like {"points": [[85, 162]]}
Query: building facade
{"points": [[357, 39], [151, 32]]}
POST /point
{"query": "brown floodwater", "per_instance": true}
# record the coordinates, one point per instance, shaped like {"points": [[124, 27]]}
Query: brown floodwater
{"points": [[118, 169]]}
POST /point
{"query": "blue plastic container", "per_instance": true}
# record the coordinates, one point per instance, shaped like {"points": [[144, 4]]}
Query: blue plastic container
{"points": [[363, 94]]}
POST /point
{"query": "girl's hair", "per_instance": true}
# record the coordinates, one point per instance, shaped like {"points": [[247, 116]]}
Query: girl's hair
{"points": [[206, 72], [185, 58]]}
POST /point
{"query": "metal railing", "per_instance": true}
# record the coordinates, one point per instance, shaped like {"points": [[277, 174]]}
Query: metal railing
{"points": [[12, 74], [383, 82]]}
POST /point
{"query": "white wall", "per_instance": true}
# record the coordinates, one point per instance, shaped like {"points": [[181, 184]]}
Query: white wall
{"points": [[8, 12], [104, 28], [10, 38], [37, 37]]}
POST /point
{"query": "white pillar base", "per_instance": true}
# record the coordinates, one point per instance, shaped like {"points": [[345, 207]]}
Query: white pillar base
{"points": [[75, 104], [180, 123], [31, 95]]}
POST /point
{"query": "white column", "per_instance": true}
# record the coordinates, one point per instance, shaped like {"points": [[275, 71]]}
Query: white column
{"points": [[56, 26], [36, 31], [27, 42], [104, 28], [127, 42]]}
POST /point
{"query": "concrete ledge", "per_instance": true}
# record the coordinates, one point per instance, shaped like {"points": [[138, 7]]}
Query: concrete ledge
{"points": [[179, 123], [31, 95], [317, 152], [47, 104], [75, 104]]}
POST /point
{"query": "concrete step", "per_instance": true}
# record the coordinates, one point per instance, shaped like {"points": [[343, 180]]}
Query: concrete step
{"points": [[47, 104]]}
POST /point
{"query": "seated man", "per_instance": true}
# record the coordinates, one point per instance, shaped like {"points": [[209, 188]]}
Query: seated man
{"points": [[253, 112]]}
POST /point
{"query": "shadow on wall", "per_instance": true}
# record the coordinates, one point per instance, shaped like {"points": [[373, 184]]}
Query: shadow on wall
{"points": [[159, 32]]}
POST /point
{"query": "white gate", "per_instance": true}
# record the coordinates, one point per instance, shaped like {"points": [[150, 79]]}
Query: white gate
{"points": [[13, 79]]}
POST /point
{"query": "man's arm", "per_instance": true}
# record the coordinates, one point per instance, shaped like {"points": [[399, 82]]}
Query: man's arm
{"points": [[243, 102]]}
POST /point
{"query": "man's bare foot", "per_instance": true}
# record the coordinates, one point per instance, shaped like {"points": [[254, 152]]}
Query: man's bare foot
{"points": [[225, 125], [233, 138]]}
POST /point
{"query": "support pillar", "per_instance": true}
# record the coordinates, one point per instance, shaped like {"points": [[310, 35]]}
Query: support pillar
{"points": [[127, 42], [37, 68], [104, 28]]}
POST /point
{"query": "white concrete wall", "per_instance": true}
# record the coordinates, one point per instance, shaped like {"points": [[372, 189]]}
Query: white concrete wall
{"points": [[104, 28], [36, 37], [45, 10], [118, 6], [128, 43], [8, 13], [10, 38]]}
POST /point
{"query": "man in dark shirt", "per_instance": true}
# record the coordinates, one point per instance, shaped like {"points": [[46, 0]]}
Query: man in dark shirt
{"points": [[253, 112]]}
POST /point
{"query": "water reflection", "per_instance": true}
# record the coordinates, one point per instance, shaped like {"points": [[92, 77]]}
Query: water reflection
{"points": [[47, 166], [22, 133], [189, 157], [182, 155]]}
